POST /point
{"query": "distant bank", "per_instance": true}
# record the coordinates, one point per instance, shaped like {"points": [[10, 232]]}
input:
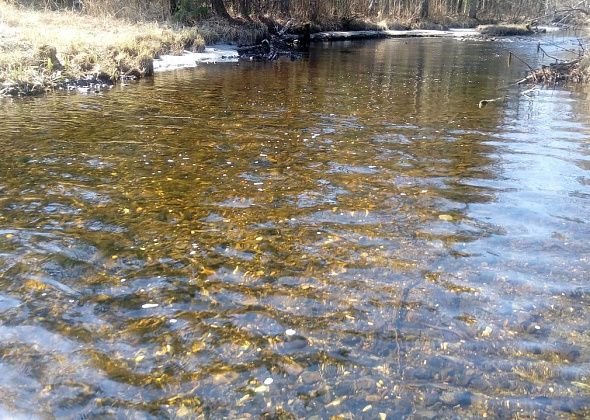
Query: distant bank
{"points": [[42, 51]]}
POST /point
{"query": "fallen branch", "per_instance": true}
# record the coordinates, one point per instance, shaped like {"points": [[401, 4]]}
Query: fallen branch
{"points": [[560, 71], [545, 53], [526, 92], [574, 10], [485, 102], [277, 45], [511, 54], [568, 71], [269, 49]]}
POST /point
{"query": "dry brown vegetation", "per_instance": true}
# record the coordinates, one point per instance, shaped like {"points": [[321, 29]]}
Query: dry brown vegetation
{"points": [[505, 30], [43, 49], [321, 12]]}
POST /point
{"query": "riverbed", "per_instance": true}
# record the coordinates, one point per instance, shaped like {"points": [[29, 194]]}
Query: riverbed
{"points": [[347, 234]]}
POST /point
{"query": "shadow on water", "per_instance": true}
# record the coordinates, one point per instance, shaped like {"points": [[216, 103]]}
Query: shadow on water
{"points": [[344, 235]]}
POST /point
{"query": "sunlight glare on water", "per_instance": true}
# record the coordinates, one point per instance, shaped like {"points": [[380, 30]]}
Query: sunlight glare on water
{"points": [[349, 234]]}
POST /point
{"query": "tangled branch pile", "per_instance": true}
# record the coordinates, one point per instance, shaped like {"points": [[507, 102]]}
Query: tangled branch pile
{"points": [[575, 71]]}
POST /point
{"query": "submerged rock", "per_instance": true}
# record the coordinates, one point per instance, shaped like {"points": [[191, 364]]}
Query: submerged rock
{"points": [[456, 398]]}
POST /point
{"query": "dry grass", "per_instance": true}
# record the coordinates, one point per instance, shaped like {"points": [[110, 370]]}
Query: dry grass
{"points": [[42, 49], [245, 33], [505, 30], [336, 24], [132, 11]]}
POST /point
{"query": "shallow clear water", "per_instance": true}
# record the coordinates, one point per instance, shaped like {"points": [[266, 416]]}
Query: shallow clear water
{"points": [[351, 226]]}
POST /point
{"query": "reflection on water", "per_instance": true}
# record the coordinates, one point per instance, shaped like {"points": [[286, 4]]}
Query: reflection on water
{"points": [[345, 235]]}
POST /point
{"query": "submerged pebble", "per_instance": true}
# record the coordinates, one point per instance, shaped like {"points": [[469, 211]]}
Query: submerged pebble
{"points": [[310, 377], [454, 398], [261, 389]]}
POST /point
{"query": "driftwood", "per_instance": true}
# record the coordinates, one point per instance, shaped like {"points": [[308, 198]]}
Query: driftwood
{"points": [[561, 70], [485, 102], [576, 71], [270, 49], [556, 72], [278, 44]]}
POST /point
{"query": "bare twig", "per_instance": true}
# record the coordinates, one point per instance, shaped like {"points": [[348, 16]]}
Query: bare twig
{"points": [[531, 90], [581, 44], [553, 44], [573, 10], [511, 54], [539, 48]]}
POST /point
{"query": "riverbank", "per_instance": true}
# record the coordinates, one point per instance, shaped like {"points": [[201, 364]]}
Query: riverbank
{"points": [[46, 50], [411, 33], [42, 51]]}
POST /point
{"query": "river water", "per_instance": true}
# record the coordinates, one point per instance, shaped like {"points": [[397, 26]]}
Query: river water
{"points": [[348, 234]]}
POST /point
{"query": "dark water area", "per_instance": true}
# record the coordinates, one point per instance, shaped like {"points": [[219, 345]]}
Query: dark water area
{"points": [[346, 235]]}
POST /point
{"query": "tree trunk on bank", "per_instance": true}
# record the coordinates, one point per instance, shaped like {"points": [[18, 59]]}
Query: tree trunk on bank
{"points": [[424, 6], [245, 8], [284, 5], [219, 9], [473, 9], [372, 7], [314, 10], [386, 8]]}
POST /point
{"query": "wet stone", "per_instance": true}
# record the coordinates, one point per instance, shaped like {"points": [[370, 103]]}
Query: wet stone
{"points": [[310, 377], [366, 384], [456, 398], [422, 373], [425, 415], [295, 343], [330, 371], [346, 387], [373, 398], [431, 398], [569, 353], [291, 367]]}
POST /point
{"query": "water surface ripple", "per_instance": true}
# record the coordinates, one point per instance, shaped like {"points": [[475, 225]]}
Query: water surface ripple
{"points": [[344, 235]]}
